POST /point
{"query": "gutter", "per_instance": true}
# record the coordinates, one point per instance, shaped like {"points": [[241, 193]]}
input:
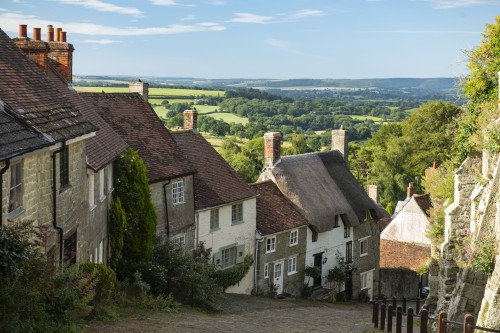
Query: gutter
{"points": [[167, 224], [54, 204], [2, 171], [258, 238]]}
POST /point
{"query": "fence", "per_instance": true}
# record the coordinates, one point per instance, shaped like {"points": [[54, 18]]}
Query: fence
{"points": [[383, 318]]}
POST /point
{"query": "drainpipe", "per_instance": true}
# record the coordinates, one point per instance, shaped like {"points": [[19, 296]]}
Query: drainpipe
{"points": [[258, 239], [54, 204], [167, 226], [2, 171]]}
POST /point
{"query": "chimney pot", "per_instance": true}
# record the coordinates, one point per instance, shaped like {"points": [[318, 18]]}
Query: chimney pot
{"points": [[411, 190], [63, 36], [57, 35], [23, 30], [272, 148], [37, 33], [50, 33], [340, 139], [190, 120], [139, 87]]}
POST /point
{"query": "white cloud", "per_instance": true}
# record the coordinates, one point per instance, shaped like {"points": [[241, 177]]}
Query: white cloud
{"points": [[189, 17], [11, 20], [448, 4], [305, 13], [102, 6], [217, 2], [170, 3], [100, 41], [425, 32], [277, 43], [251, 18]]}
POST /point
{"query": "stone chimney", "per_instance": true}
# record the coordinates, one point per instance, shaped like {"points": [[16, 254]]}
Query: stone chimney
{"points": [[340, 139], [411, 190], [272, 148], [61, 52], [373, 192], [36, 49], [190, 119], [139, 87]]}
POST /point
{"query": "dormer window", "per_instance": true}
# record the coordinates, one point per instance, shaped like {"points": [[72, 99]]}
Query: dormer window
{"points": [[336, 223]]}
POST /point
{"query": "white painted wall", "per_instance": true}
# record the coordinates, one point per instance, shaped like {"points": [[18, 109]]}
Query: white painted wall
{"points": [[328, 242], [229, 234], [409, 226]]}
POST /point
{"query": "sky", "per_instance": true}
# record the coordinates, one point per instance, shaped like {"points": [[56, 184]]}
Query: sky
{"points": [[274, 39]]}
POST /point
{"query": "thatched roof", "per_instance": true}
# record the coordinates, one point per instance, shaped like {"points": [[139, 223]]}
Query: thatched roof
{"points": [[322, 187]]}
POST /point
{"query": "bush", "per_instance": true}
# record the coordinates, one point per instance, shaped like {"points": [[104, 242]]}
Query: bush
{"points": [[105, 279], [230, 276]]}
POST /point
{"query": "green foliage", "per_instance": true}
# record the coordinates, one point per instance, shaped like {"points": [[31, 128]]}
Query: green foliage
{"points": [[478, 253], [105, 279], [132, 187], [312, 272], [15, 248], [247, 160], [230, 276], [436, 232], [117, 226], [492, 143]]}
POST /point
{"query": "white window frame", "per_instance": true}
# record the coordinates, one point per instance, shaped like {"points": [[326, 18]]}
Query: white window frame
{"points": [[292, 265], [271, 244], [266, 271], [110, 180], [363, 277], [178, 192], [102, 195], [179, 241], [228, 257], [16, 169], [101, 253], [237, 213], [214, 219], [294, 237], [363, 246], [92, 204]]}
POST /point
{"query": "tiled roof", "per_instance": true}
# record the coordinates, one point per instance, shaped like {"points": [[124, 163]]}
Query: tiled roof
{"points": [[137, 123], [216, 183], [35, 99], [275, 213], [403, 255], [424, 202], [106, 145]]}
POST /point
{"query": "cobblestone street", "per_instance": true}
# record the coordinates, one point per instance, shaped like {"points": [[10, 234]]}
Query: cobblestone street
{"points": [[245, 314]]}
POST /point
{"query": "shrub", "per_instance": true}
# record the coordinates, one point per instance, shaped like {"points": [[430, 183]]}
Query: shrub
{"points": [[230, 276], [105, 279], [117, 226]]}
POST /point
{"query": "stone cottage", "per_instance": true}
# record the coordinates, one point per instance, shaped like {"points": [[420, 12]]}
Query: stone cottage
{"points": [[342, 219]]}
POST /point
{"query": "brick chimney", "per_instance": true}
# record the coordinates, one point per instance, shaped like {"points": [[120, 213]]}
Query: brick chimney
{"points": [[411, 190], [373, 192], [340, 139], [36, 49], [139, 87], [272, 148], [60, 52], [190, 119]]}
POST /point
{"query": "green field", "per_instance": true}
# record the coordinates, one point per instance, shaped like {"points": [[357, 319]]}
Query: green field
{"points": [[157, 93], [229, 118], [375, 119]]}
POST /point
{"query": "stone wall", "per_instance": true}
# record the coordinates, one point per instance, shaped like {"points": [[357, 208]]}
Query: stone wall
{"points": [[368, 262], [399, 283]]}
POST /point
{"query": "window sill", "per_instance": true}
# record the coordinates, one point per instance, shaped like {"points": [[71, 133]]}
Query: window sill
{"points": [[236, 222], [16, 213], [178, 203], [294, 244], [101, 199], [214, 229], [64, 188], [363, 254], [92, 207], [292, 273], [272, 251]]}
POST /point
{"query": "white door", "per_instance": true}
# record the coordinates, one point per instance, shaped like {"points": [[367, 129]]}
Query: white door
{"points": [[278, 277], [367, 283]]}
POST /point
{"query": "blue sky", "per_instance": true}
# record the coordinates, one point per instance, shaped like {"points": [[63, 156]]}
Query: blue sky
{"points": [[262, 38]]}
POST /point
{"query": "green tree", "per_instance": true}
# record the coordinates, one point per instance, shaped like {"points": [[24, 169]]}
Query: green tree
{"points": [[132, 187], [117, 226]]}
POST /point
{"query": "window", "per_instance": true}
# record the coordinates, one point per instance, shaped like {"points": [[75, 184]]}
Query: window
{"points": [[101, 253], [364, 280], [70, 250], [237, 213], [266, 271], [314, 236], [348, 252], [294, 237], [271, 244], [228, 257], [214, 219], [179, 241], [292, 265], [91, 192], [178, 192], [64, 167], [336, 223], [16, 187], [110, 180], [347, 232], [363, 247], [102, 196]]}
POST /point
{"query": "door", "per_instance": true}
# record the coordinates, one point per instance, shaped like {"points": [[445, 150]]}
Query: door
{"points": [[318, 262], [278, 277], [367, 283]]}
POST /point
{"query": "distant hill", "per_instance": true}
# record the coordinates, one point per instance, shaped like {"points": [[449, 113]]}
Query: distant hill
{"points": [[304, 84]]}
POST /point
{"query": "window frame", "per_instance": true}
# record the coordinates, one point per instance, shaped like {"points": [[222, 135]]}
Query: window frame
{"points": [[178, 196], [363, 246], [237, 213], [214, 219], [336, 222], [91, 184], [271, 244], [348, 252], [110, 180], [314, 236], [294, 237], [179, 241], [347, 232], [16, 171], [64, 168], [266, 271], [292, 263], [228, 257], [102, 195], [364, 280]]}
